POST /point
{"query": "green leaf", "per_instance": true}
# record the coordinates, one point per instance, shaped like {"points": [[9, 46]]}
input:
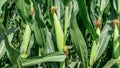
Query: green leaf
{"points": [[38, 15], [60, 8], [2, 44], [40, 34], [24, 8], [93, 11], [76, 7], [49, 43], [103, 5], [12, 54], [116, 6], [111, 62], [4, 14], [2, 48], [78, 41], [2, 2], [85, 18], [105, 36], [66, 21], [52, 57]]}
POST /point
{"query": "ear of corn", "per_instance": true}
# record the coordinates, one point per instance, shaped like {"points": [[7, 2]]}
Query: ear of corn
{"points": [[116, 43], [59, 36], [26, 40], [93, 54], [95, 43], [59, 33]]}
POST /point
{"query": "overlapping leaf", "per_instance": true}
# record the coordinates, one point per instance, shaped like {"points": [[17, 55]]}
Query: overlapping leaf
{"points": [[24, 8], [105, 36], [85, 18], [52, 57], [78, 41], [111, 62]]}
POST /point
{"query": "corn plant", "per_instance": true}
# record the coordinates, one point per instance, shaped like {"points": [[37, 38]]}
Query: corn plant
{"points": [[59, 34]]}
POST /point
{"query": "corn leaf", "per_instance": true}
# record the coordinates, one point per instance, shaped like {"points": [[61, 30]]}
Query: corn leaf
{"points": [[60, 8], [52, 57], [78, 41], [2, 44], [12, 54], [66, 21], [24, 8], [105, 36], [2, 2], [40, 34], [49, 43], [38, 16], [85, 18], [116, 6], [111, 62], [103, 5]]}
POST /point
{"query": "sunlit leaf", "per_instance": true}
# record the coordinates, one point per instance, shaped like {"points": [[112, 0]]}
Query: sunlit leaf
{"points": [[53, 57], [105, 36], [78, 41], [111, 62], [85, 18]]}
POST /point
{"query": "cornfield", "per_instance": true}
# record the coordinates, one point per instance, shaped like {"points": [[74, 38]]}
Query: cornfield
{"points": [[59, 34]]}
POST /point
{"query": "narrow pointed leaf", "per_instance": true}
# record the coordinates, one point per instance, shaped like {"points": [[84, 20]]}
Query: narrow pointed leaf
{"points": [[49, 43], [60, 8], [111, 62], [24, 8], [2, 2], [52, 57], [85, 18], [40, 34], [116, 5], [78, 41], [105, 36], [12, 54], [103, 5], [2, 44]]}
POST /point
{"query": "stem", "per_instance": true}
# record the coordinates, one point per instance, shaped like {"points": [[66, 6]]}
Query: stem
{"points": [[62, 64]]}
